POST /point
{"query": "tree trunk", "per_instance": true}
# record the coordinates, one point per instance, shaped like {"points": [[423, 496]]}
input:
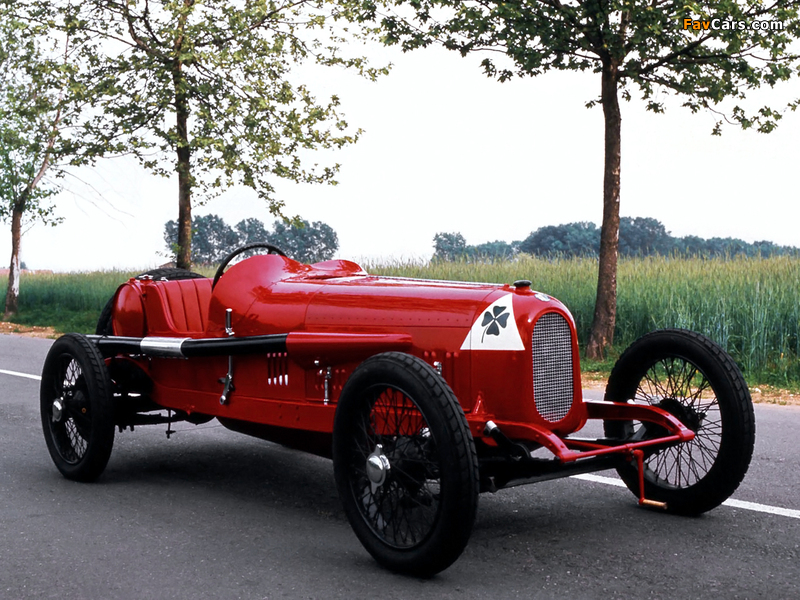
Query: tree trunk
{"points": [[605, 308], [12, 294], [183, 258]]}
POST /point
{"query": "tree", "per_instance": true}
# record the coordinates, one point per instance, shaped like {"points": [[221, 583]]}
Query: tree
{"points": [[208, 90], [305, 242], [643, 236], [217, 239], [251, 230], [728, 246], [39, 99], [572, 239], [691, 245], [696, 50], [496, 250], [213, 238], [765, 248], [639, 236], [449, 246], [453, 246]]}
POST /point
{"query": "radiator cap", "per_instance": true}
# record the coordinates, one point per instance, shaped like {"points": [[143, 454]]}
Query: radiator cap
{"points": [[522, 283]]}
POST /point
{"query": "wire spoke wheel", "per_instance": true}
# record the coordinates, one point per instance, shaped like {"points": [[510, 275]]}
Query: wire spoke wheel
{"points": [[693, 379], [679, 387], [69, 425], [405, 464], [77, 415], [393, 468]]}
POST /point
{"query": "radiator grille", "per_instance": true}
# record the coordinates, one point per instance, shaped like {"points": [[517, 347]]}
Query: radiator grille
{"points": [[552, 367]]}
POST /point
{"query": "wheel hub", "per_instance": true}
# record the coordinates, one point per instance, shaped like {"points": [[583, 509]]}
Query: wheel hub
{"points": [[58, 410], [378, 468], [685, 414]]}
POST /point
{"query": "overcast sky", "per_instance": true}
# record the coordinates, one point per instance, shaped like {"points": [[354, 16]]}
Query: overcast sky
{"points": [[447, 150]]}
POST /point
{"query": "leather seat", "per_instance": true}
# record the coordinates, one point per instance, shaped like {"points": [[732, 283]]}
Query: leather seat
{"points": [[178, 307]]}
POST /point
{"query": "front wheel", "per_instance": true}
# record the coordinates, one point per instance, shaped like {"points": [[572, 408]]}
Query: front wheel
{"points": [[405, 464], [76, 407], [695, 380]]}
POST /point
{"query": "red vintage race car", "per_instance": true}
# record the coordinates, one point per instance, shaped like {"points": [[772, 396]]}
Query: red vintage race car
{"points": [[424, 393]]}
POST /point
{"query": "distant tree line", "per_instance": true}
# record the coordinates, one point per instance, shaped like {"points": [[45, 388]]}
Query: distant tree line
{"points": [[638, 236], [213, 238]]}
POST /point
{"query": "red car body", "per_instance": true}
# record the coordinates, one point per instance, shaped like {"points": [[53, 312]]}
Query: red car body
{"points": [[423, 392], [521, 372]]}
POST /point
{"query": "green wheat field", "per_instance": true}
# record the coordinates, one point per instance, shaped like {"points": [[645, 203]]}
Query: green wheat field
{"points": [[748, 305]]}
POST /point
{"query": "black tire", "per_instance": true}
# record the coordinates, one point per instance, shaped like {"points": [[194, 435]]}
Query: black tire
{"points": [[104, 323], [413, 509], [694, 379], [76, 406]]}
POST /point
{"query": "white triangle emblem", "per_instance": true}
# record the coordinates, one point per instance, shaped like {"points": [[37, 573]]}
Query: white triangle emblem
{"points": [[495, 328]]}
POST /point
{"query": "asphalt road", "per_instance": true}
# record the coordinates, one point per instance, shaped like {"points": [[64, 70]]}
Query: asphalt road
{"points": [[214, 514]]}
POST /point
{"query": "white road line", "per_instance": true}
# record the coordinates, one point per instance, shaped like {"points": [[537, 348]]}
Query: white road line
{"points": [[16, 374], [754, 506], [600, 479], [773, 510]]}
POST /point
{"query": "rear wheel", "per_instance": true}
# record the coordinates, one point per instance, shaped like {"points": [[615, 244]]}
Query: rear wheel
{"points": [[76, 408], [405, 464], [695, 380]]}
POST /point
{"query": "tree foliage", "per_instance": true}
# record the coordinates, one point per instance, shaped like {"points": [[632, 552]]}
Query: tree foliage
{"points": [[304, 241], [214, 238], [639, 236], [29, 115], [636, 46], [573, 239], [209, 89], [646, 44], [453, 246], [41, 124], [643, 236], [251, 230], [449, 246], [496, 250]]}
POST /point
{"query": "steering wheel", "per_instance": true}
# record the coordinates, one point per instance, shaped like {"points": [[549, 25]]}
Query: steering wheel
{"points": [[270, 250]]}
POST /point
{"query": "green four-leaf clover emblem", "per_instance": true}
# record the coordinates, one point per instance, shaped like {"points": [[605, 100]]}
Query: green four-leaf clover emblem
{"points": [[493, 320]]}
